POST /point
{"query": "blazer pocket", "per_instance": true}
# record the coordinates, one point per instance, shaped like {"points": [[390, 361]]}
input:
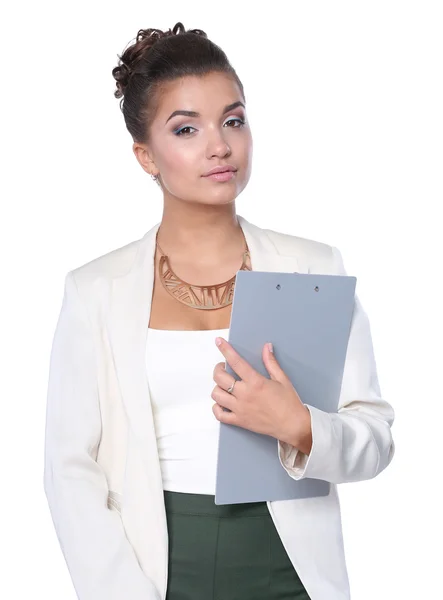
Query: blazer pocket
{"points": [[114, 501]]}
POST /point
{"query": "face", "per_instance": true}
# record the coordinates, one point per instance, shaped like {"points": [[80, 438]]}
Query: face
{"points": [[183, 148]]}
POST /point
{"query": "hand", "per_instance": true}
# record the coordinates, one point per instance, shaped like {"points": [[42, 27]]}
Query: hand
{"points": [[268, 406]]}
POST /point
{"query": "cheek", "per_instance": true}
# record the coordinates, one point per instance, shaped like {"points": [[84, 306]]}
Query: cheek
{"points": [[242, 150], [242, 147], [248, 148], [179, 163]]}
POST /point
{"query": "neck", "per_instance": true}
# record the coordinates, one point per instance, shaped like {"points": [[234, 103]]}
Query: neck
{"points": [[201, 234]]}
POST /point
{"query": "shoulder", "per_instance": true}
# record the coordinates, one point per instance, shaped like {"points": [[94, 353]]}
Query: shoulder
{"points": [[294, 244], [318, 255], [109, 265]]}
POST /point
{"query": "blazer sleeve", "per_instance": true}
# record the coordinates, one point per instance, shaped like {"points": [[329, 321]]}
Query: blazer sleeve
{"points": [[99, 557], [355, 443]]}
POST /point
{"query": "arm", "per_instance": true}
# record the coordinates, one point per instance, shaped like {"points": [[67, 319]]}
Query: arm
{"points": [[100, 559], [355, 443]]}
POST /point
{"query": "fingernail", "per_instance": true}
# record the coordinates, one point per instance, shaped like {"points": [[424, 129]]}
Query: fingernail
{"points": [[270, 347], [218, 341]]}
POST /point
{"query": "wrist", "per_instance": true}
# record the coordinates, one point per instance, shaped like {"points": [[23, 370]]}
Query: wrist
{"points": [[301, 436]]}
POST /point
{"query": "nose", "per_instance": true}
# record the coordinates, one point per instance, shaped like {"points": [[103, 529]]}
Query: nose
{"points": [[218, 146]]}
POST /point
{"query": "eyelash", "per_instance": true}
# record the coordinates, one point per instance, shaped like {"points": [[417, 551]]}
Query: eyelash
{"points": [[178, 131]]}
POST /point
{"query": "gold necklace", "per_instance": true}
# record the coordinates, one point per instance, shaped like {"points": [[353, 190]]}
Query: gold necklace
{"points": [[202, 297]]}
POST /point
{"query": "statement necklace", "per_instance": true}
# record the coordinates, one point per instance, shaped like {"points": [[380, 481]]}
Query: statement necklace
{"points": [[202, 297]]}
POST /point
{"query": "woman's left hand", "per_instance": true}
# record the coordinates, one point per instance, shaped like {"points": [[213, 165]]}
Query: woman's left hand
{"points": [[268, 406]]}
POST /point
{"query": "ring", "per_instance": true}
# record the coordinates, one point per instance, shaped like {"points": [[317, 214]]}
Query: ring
{"points": [[231, 387]]}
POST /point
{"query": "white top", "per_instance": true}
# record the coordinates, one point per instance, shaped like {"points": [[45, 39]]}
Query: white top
{"points": [[180, 367]]}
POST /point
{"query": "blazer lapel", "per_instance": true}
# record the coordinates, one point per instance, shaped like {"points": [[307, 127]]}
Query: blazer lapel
{"points": [[128, 318]]}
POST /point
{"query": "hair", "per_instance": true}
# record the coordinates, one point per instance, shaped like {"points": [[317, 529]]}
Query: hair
{"points": [[157, 57]]}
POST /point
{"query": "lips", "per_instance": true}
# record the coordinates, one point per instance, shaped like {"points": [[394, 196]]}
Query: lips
{"points": [[217, 170]]}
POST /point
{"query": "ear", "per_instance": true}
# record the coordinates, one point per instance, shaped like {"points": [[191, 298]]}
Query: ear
{"points": [[144, 156]]}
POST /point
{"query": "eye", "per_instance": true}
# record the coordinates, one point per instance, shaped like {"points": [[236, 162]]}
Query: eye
{"points": [[240, 121], [179, 132]]}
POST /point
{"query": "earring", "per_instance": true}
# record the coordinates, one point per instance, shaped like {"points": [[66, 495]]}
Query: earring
{"points": [[154, 177]]}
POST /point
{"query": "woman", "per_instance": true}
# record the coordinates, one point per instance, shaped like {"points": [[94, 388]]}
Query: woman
{"points": [[133, 412]]}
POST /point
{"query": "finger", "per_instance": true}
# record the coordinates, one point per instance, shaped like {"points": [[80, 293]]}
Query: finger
{"points": [[237, 363], [219, 369], [224, 416], [223, 379], [224, 398], [272, 365]]}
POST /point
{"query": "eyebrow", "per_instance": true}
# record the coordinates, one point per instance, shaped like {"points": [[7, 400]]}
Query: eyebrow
{"points": [[192, 113]]}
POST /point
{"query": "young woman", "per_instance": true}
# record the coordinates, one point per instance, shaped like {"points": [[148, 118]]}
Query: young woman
{"points": [[133, 413]]}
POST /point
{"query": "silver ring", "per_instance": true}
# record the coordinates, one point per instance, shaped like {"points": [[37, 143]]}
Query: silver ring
{"points": [[231, 387]]}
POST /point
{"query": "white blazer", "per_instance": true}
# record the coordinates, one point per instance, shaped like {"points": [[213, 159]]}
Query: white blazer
{"points": [[102, 474]]}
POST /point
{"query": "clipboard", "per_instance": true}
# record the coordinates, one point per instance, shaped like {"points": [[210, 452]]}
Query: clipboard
{"points": [[308, 319]]}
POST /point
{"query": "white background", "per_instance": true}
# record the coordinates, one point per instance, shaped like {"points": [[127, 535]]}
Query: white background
{"points": [[344, 100]]}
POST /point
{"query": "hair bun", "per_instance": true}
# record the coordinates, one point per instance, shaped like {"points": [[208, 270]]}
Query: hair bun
{"points": [[144, 41], [121, 75], [133, 55]]}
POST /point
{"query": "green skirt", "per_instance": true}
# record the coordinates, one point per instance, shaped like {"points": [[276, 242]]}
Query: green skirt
{"points": [[228, 552]]}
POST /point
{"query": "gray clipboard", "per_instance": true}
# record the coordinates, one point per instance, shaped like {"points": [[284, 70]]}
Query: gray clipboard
{"points": [[308, 318]]}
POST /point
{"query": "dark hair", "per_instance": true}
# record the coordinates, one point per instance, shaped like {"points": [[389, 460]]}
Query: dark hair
{"points": [[157, 57]]}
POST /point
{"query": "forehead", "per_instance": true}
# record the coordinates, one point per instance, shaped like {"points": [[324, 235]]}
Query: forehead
{"points": [[204, 94]]}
